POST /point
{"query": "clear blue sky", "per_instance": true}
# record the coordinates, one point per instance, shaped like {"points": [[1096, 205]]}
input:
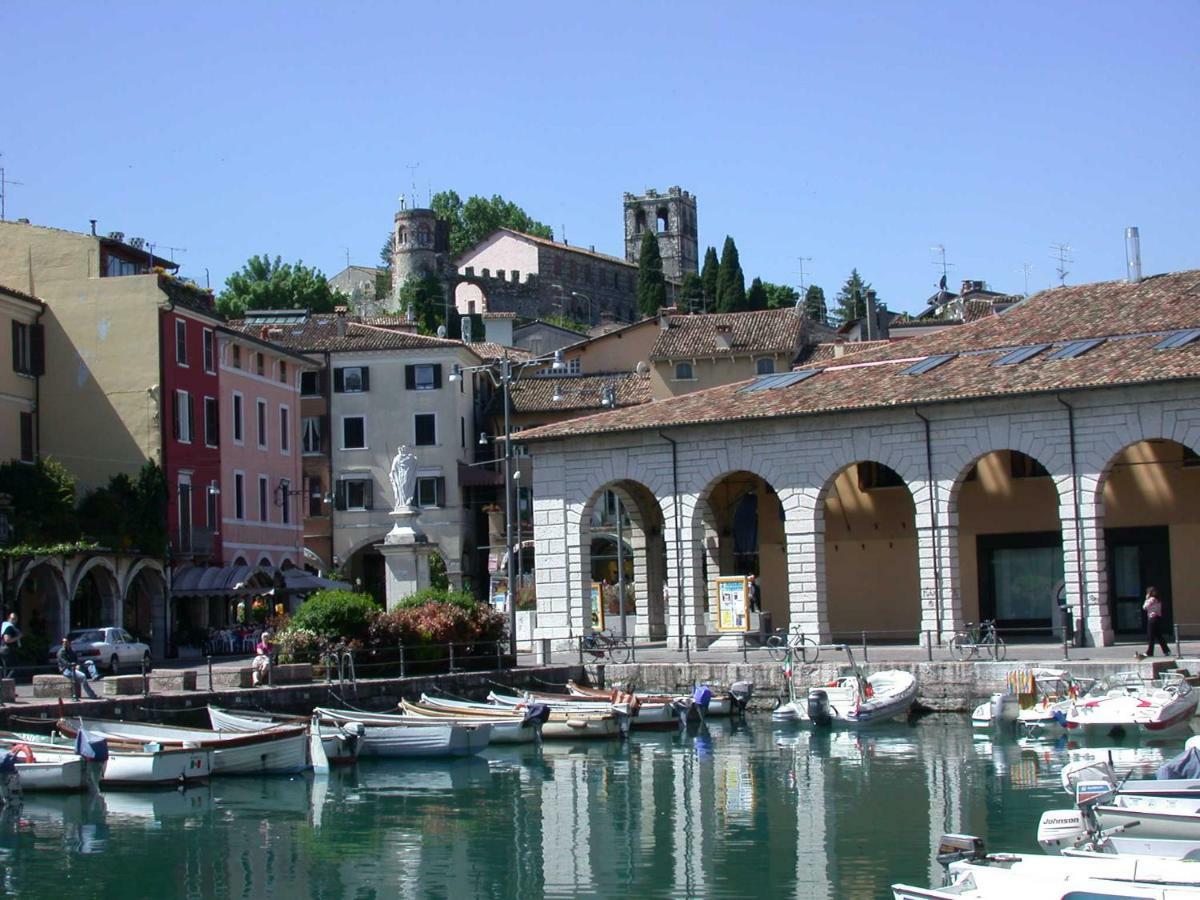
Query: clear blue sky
{"points": [[855, 134]]}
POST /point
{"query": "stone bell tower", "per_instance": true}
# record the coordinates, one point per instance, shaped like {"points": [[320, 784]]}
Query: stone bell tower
{"points": [[420, 246], [673, 218]]}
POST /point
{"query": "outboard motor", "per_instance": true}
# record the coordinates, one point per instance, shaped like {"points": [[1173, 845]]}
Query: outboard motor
{"points": [[956, 847], [741, 691], [352, 733], [818, 708], [536, 715], [682, 706]]}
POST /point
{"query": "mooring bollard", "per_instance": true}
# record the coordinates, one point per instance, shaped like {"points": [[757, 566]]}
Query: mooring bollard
{"points": [[401, 648], [1066, 644], [633, 650], [864, 646], [145, 679], [1178, 643], [581, 652], [451, 656], [210, 681], [687, 647], [743, 637], [928, 645], [499, 657]]}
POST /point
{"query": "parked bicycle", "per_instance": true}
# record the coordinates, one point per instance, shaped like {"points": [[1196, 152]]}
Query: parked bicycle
{"points": [[601, 644], [795, 641], [977, 639]]}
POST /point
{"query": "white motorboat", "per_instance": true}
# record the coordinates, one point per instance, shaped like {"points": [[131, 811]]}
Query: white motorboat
{"points": [[977, 875], [1026, 690], [852, 701], [132, 765], [342, 742], [282, 750], [398, 736], [561, 725], [1127, 701]]}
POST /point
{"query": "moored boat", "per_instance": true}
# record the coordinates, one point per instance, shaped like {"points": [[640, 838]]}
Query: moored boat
{"points": [[342, 741], [277, 751], [48, 768], [720, 703], [641, 715], [856, 700], [506, 729], [396, 736], [561, 724]]}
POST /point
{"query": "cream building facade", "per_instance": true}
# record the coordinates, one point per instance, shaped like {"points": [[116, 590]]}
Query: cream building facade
{"points": [[22, 342]]}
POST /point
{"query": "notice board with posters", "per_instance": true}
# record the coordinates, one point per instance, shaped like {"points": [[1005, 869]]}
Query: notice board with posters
{"points": [[597, 600], [733, 603]]}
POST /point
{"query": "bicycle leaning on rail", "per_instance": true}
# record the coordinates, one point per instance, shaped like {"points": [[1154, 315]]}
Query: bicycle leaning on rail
{"points": [[976, 639], [604, 643], [795, 641]]}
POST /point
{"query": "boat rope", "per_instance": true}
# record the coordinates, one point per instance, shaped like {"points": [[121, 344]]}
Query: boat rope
{"points": [[559, 684]]}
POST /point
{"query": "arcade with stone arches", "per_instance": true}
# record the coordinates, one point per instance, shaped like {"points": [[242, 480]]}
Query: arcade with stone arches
{"points": [[904, 524]]}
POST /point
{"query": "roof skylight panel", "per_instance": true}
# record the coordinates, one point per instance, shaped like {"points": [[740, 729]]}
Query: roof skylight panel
{"points": [[928, 364], [777, 380], [1178, 339], [1013, 357], [1076, 348]]}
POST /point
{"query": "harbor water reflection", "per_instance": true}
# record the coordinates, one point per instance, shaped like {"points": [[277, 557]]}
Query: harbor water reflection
{"points": [[733, 810]]}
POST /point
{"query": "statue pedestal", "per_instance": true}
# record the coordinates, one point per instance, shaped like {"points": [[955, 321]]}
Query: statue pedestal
{"points": [[405, 552]]}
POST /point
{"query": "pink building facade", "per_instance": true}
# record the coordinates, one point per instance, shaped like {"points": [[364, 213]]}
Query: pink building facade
{"points": [[261, 502]]}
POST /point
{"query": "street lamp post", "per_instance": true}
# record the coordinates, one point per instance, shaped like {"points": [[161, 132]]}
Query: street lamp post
{"points": [[503, 374]]}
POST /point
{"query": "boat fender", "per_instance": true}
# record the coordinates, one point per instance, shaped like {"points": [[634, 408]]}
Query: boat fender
{"points": [[576, 723], [23, 753], [868, 691]]}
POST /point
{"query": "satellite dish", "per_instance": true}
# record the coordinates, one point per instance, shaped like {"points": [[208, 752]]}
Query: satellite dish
{"points": [[643, 367], [441, 332]]}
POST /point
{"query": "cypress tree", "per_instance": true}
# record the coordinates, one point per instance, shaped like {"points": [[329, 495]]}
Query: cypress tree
{"points": [[756, 297], [708, 277], [651, 285], [691, 293], [731, 283], [814, 304]]}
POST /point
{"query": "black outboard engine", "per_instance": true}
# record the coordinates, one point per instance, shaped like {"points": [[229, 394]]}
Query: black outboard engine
{"points": [[741, 691], [682, 706], [818, 708], [536, 715]]}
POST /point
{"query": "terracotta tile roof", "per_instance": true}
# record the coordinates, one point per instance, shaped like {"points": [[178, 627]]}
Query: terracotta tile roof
{"points": [[399, 323], [489, 350], [318, 334], [579, 392], [1133, 316], [20, 295], [768, 331], [828, 352]]}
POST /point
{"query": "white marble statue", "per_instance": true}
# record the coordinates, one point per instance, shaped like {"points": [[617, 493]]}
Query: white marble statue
{"points": [[403, 477]]}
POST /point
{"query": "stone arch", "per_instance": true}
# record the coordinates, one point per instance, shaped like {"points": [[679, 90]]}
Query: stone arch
{"points": [[40, 589], [867, 547], [365, 569], [1006, 507], [95, 594], [1144, 501], [143, 612], [738, 521], [621, 530], [265, 562]]}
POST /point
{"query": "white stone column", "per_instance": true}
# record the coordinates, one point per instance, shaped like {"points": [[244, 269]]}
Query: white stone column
{"points": [[685, 549], [1085, 560], [937, 558], [804, 530], [551, 551]]}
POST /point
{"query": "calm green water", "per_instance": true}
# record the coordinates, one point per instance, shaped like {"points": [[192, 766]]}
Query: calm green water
{"points": [[754, 810]]}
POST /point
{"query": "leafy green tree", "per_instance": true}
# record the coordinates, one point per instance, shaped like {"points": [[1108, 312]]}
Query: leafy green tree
{"points": [[423, 297], [852, 298], [780, 296], [731, 283], [708, 278], [756, 297], [43, 501], [336, 614], [472, 221], [128, 513], [651, 285], [264, 283], [383, 275], [814, 304]]}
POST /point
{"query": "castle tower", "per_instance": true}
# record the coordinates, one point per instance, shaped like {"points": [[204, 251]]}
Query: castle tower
{"points": [[420, 244], [673, 217]]}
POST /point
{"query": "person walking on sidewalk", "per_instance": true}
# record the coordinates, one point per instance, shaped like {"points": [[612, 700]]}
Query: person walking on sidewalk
{"points": [[10, 640], [1154, 622]]}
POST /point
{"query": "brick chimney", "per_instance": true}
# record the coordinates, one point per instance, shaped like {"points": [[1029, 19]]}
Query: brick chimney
{"points": [[339, 313], [724, 337]]}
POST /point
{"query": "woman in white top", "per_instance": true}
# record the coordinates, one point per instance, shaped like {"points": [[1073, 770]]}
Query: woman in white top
{"points": [[1154, 633]]}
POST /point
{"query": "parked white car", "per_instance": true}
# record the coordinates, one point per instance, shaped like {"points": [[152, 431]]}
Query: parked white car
{"points": [[109, 648]]}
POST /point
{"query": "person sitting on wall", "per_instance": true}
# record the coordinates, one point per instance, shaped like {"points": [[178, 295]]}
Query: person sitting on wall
{"points": [[262, 659], [71, 668]]}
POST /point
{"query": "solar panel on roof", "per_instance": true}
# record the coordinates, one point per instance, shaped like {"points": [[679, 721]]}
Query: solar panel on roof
{"points": [[1020, 355], [777, 380], [928, 364], [1076, 348], [1178, 339]]}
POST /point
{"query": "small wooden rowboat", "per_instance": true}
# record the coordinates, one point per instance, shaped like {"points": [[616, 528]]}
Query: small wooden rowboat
{"points": [[562, 725]]}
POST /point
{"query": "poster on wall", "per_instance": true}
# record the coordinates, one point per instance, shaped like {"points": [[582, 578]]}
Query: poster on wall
{"points": [[732, 613], [597, 607]]}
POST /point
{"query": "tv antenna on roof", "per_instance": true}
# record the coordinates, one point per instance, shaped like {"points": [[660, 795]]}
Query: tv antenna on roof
{"points": [[1062, 252], [4, 182], [803, 260], [412, 175], [945, 266], [1026, 268]]}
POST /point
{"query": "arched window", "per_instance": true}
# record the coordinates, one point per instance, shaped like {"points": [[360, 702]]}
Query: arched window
{"points": [[423, 235], [683, 372], [639, 221], [664, 221], [401, 235], [765, 366]]}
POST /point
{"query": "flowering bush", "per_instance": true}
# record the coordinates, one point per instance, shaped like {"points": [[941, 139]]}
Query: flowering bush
{"points": [[436, 623], [296, 645]]}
